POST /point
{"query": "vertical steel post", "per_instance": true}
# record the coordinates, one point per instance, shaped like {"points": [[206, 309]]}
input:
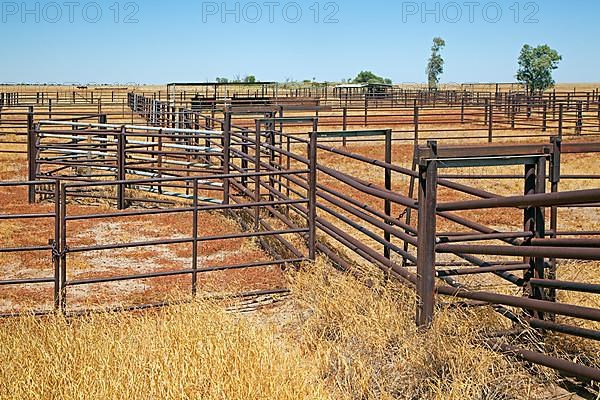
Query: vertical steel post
{"points": [[160, 159], [195, 240], [555, 174], [281, 156], [31, 154], [426, 240], [121, 173], [288, 164], [485, 113], [272, 165], [490, 123], [63, 249], [560, 121], [257, 179], [345, 123], [545, 117], [540, 228], [529, 219], [416, 123], [312, 196], [388, 185], [587, 107], [513, 112], [579, 122], [245, 155], [226, 155], [366, 109], [56, 245]]}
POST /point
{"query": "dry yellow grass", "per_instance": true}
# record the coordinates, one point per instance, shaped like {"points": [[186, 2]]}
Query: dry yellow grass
{"points": [[369, 348], [193, 351], [338, 339]]}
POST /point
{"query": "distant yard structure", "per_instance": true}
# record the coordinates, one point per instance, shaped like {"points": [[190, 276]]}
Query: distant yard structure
{"points": [[368, 90]]}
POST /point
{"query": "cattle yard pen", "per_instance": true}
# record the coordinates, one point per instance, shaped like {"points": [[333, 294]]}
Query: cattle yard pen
{"points": [[304, 174]]}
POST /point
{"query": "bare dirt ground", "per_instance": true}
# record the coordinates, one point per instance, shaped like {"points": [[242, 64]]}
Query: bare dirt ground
{"points": [[15, 233], [432, 126]]}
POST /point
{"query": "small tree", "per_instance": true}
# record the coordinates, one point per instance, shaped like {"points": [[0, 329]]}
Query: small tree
{"points": [[250, 79], [435, 66], [369, 77], [222, 80], [535, 67]]}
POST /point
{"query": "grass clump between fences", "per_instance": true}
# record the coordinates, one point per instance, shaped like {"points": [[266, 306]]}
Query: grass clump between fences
{"points": [[338, 337]]}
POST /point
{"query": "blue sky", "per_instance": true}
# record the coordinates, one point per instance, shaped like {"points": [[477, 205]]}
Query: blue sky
{"points": [[195, 40]]}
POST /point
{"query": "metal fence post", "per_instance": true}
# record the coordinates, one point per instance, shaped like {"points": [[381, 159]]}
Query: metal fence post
{"points": [[159, 159], [485, 113], [366, 109], [579, 122], [529, 222], [545, 117], [56, 245], [426, 239], [31, 153], [102, 119], [312, 196], [555, 175], [245, 156], [560, 121], [345, 123], [587, 106], [273, 166], [388, 186], [490, 123], [257, 178], [121, 173], [226, 155], [63, 249], [513, 112], [540, 228], [195, 240]]}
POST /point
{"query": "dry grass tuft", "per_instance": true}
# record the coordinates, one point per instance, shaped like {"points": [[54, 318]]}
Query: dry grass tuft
{"points": [[191, 351], [369, 348], [339, 338], [581, 350]]}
